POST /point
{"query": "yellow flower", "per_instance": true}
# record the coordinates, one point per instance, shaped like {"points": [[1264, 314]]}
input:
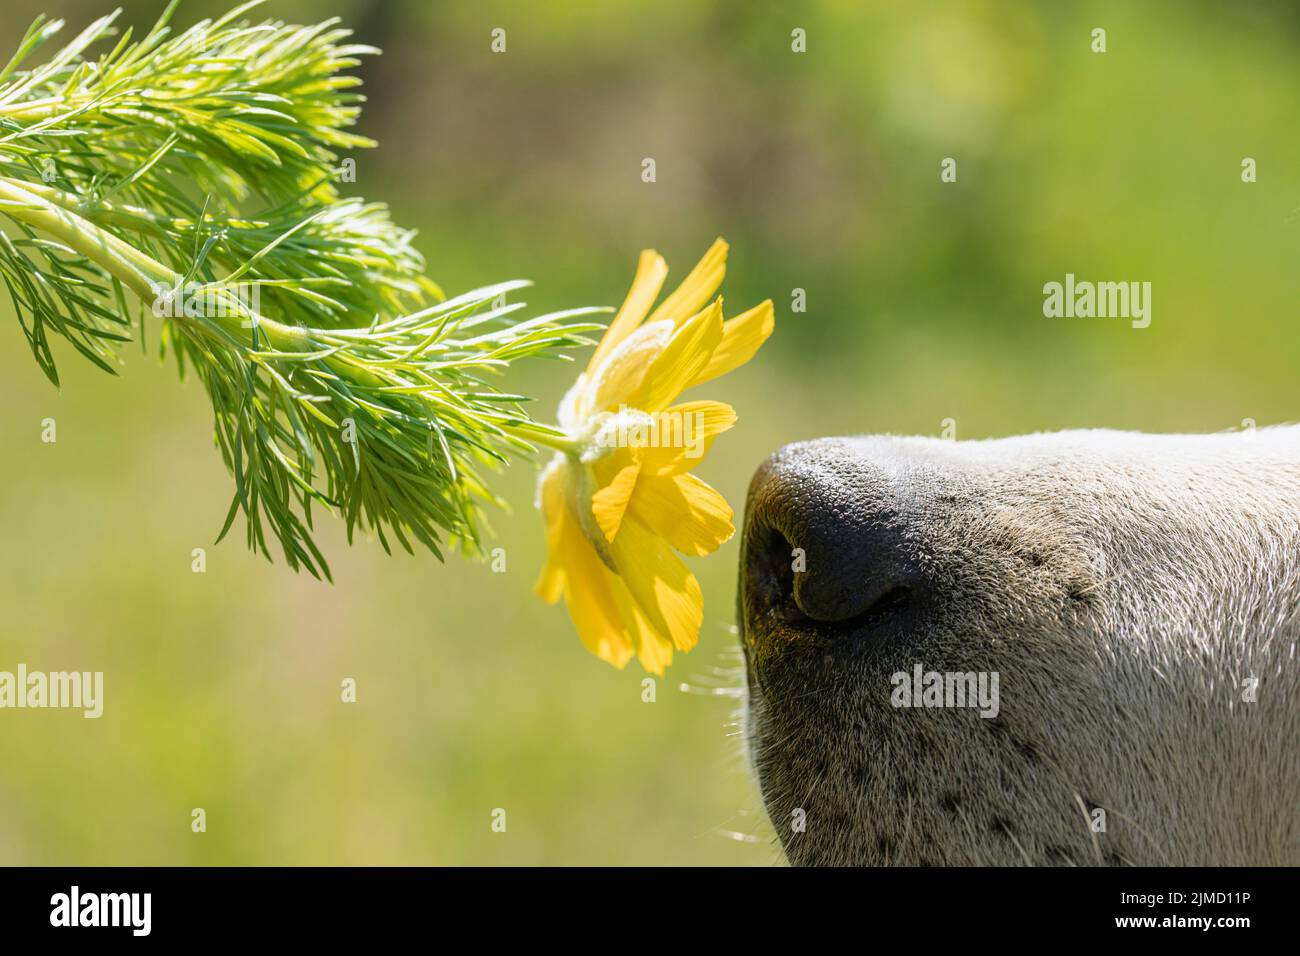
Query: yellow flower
{"points": [[622, 501]]}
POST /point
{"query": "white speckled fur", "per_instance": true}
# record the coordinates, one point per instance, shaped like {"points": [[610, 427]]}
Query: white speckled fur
{"points": [[1123, 585]]}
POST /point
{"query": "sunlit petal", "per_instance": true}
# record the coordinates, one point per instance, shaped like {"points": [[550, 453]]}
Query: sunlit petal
{"points": [[589, 596], [684, 511], [650, 274], [685, 356], [697, 288], [661, 584], [698, 424], [625, 368], [550, 500], [609, 504], [741, 338]]}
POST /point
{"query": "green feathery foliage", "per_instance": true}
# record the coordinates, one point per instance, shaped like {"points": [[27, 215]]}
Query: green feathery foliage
{"points": [[191, 177]]}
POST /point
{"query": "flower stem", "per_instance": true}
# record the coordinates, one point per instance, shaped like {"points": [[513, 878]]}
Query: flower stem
{"points": [[540, 434]]}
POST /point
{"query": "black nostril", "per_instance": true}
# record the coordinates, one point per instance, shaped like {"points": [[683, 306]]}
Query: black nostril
{"points": [[776, 567], [896, 597], [828, 546], [772, 574]]}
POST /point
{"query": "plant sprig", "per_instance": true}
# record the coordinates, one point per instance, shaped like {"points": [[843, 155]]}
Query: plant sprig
{"points": [[202, 164]]}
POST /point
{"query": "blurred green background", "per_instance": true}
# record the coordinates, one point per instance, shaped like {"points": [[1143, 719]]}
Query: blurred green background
{"points": [[924, 303]]}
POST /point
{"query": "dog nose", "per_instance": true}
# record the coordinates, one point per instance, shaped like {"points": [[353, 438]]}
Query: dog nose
{"points": [[826, 538]]}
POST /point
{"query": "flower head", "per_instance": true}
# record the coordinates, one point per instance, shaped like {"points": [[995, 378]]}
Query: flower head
{"points": [[622, 502]]}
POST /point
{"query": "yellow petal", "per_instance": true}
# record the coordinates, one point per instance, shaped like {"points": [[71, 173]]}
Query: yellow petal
{"points": [[684, 511], [655, 654], [653, 650], [697, 288], [550, 500], [660, 583], [625, 369], [698, 423], [550, 583], [684, 357], [650, 274], [589, 595], [580, 502], [741, 338], [610, 502]]}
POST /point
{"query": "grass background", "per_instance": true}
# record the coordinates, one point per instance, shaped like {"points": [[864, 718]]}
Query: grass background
{"points": [[924, 303]]}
